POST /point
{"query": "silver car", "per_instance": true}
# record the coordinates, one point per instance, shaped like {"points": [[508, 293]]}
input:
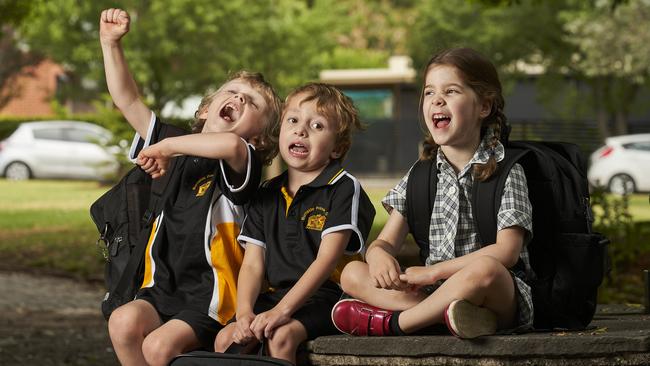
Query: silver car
{"points": [[58, 149]]}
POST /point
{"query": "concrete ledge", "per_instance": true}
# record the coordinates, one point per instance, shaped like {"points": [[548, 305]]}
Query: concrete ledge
{"points": [[619, 335]]}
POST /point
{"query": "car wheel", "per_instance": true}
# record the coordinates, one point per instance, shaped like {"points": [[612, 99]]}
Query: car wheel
{"points": [[18, 171], [622, 184]]}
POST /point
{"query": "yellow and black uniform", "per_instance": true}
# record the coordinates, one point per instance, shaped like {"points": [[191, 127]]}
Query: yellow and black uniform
{"points": [[192, 258], [291, 229]]}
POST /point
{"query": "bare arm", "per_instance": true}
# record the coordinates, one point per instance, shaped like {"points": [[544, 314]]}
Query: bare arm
{"points": [[380, 255], [216, 145], [251, 275], [506, 250], [329, 252], [113, 25]]}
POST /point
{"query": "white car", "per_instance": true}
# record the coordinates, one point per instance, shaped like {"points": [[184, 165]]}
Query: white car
{"points": [[622, 164], [58, 149]]}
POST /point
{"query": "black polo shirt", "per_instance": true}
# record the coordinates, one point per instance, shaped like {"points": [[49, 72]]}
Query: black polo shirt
{"points": [[291, 229]]}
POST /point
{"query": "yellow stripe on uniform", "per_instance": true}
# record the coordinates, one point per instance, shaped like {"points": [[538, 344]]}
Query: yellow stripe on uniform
{"points": [[148, 259], [287, 198], [335, 175], [226, 256]]}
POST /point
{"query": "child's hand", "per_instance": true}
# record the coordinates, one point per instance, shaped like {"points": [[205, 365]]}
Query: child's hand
{"points": [[385, 270], [113, 25], [419, 276], [266, 322], [150, 166], [243, 333], [154, 160]]}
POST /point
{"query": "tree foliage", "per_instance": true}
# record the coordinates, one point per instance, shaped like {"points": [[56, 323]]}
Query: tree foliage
{"points": [[13, 59], [612, 40], [599, 45], [178, 48]]}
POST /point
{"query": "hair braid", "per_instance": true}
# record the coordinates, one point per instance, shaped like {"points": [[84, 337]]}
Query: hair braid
{"points": [[496, 123]]}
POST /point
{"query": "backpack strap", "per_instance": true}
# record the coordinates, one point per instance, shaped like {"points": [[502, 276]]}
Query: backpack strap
{"points": [[158, 185], [136, 259], [486, 197], [420, 197]]}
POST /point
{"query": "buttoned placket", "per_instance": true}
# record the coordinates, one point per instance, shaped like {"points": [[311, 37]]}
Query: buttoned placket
{"points": [[293, 224], [445, 214]]}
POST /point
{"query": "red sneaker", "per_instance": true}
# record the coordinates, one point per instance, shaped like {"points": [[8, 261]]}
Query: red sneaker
{"points": [[355, 317], [466, 320]]}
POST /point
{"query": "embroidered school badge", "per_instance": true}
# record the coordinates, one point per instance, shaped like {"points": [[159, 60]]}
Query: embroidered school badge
{"points": [[203, 188], [316, 222]]}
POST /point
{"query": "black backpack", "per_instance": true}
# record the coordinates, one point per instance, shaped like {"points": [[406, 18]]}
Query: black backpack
{"points": [[568, 259], [123, 216]]}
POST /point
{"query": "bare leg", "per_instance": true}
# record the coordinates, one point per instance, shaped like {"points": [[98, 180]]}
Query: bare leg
{"points": [[356, 282], [485, 282], [168, 341], [224, 338], [128, 326], [285, 340]]}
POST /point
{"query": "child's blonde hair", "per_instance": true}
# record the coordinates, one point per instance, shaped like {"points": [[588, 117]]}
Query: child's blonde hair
{"points": [[263, 145], [480, 75], [333, 105]]}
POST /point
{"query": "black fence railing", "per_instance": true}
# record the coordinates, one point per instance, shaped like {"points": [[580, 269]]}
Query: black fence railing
{"points": [[582, 133]]}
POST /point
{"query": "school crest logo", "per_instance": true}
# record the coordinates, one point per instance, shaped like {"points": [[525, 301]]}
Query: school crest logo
{"points": [[202, 185], [315, 217], [316, 222]]}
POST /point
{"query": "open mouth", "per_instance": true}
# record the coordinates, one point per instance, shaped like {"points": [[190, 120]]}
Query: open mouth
{"points": [[298, 149], [228, 112], [441, 120]]}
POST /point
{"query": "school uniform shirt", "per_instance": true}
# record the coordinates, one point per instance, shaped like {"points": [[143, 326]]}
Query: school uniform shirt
{"points": [[290, 229], [453, 231], [192, 258]]}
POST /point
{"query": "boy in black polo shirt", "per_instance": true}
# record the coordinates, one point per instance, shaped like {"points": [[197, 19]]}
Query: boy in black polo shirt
{"points": [[298, 227], [192, 255]]}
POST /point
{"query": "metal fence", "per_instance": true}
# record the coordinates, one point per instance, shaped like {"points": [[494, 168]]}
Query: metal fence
{"points": [[582, 133]]}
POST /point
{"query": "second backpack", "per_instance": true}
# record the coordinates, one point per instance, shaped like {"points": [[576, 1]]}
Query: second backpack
{"points": [[568, 259]]}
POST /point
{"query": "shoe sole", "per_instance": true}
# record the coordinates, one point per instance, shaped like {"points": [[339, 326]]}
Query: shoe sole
{"points": [[469, 321]]}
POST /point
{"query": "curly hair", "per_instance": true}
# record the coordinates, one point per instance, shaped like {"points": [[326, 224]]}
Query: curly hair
{"points": [[264, 147], [333, 105], [482, 77]]}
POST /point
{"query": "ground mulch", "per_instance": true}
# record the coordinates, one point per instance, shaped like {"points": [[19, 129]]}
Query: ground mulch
{"points": [[46, 320]]}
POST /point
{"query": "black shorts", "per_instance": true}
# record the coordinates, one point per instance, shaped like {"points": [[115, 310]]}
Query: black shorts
{"points": [[315, 315], [205, 328]]}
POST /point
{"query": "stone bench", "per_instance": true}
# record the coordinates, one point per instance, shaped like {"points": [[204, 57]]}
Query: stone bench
{"points": [[618, 335]]}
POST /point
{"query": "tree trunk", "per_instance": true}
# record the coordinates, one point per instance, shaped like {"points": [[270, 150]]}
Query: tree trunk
{"points": [[621, 123], [602, 120]]}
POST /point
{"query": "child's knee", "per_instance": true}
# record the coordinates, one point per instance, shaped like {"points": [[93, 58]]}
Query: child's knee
{"points": [[224, 338], [352, 275], [123, 324], [485, 271], [285, 340], [156, 351]]}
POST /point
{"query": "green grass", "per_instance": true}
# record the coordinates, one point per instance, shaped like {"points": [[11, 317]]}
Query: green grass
{"points": [[46, 226], [640, 207]]}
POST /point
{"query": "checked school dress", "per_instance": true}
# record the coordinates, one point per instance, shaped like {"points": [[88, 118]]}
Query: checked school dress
{"points": [[453, 231], [192, 258]]}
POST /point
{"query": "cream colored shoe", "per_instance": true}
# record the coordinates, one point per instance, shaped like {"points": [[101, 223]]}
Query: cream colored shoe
{"points": [[466, 320]]}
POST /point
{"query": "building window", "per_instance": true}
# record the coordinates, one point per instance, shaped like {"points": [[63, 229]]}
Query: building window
{"points": [[373, 104]]}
